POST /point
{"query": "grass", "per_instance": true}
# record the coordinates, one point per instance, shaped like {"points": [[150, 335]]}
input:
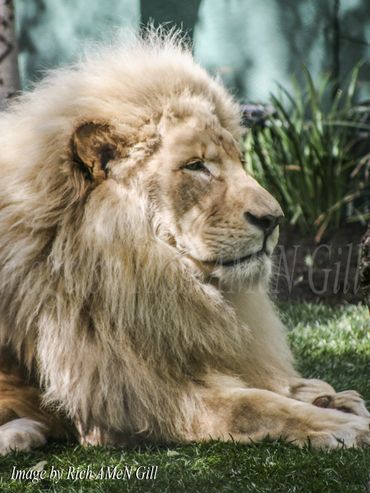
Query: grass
{"points": [[330, 342]]}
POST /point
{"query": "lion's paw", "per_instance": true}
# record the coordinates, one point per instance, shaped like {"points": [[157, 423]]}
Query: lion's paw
{"points": [[21, 434], [321, 394], [348, 401], [341, 430]]}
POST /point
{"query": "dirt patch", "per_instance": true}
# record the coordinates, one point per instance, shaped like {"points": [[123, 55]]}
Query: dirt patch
{"points": [[327, 271]]}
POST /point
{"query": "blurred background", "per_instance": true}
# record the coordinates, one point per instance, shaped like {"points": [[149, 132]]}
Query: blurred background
{"points": [[301, 71], [251, 44]]}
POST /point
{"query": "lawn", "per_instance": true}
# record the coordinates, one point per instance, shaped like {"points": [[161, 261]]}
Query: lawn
{"points": [[332, 343]]}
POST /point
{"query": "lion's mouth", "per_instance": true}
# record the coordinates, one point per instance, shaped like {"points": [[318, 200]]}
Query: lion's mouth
{"points": [[238, 260]]}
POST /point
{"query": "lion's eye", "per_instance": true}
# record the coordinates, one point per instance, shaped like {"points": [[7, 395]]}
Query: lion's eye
{"points": [[196, 166]]}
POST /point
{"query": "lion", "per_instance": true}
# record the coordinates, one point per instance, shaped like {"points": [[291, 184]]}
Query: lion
{"points": [[135, 253]]}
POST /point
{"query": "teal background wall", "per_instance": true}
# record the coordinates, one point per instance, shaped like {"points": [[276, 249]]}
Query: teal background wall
{"points": [[251, 44]]}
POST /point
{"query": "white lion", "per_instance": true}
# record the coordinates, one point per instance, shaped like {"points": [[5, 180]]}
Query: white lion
{"points": [[134, 258]]}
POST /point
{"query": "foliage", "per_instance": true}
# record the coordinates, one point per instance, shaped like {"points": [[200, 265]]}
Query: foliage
{"points": [[331, 343], [307, 153]]}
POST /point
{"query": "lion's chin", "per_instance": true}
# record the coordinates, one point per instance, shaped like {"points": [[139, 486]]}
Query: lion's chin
{"points": [[255, 270], [247, 271]]}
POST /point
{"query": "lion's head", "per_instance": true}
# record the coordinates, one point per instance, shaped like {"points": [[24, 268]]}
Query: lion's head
{"points": [[197, 195], [149, 118]]}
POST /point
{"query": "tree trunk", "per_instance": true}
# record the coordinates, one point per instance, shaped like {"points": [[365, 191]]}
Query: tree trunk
{"points": [[9, 76], [365, 268]]}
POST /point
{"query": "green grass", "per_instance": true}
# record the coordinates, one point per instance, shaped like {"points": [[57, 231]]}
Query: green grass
{"points": [[330, 343]]}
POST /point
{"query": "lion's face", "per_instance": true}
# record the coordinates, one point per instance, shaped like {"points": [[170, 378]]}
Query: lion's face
{"points": [[215, 214], [199, 198]]}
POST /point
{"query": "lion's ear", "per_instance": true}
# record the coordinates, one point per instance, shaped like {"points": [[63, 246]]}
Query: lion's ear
{"points": [[93, 146]]}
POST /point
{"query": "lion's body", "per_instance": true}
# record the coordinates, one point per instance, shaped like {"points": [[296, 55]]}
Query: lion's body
{"points": [[126, 339]]}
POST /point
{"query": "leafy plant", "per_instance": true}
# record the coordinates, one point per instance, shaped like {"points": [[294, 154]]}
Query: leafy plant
{"points": [[310, 155]]}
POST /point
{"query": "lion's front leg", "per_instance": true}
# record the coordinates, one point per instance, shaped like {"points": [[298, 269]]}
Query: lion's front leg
{"points": [[249, 415], [321, 394]]}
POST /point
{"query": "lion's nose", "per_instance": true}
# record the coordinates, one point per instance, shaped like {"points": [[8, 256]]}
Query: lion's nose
{"points": [[267, 223]]}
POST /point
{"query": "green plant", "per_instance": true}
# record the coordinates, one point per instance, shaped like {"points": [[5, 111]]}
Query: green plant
{"points": [[308, 153]]}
